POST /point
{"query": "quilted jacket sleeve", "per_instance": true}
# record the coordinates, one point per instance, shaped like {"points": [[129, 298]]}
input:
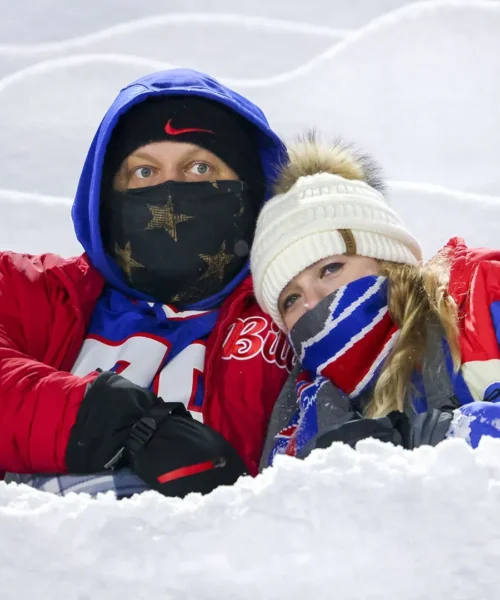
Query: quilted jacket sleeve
{"points": [[40, 325], [480, 349]]}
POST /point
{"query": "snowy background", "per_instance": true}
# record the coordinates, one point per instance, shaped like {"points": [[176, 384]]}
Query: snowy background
{"points": [[417, 84]]}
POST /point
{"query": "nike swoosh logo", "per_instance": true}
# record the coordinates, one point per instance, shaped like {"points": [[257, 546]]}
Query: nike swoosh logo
{"points": [[169, 130]]}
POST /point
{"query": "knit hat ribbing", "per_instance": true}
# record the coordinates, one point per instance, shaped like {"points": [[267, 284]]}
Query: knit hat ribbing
{"points": [[307, 222], [190, 119]]}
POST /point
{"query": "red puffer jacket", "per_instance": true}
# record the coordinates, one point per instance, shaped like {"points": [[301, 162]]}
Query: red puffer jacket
{"points": [[45, 309]]}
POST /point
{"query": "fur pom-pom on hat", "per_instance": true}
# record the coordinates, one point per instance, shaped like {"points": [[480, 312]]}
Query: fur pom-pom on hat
{"points": [[329, 201], [310, 156]]}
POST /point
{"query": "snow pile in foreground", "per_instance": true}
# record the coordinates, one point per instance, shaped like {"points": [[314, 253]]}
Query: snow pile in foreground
{"points": [[379, 523]]}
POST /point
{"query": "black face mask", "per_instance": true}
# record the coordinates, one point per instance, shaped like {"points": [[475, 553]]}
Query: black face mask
{"points": [[180, 242]]}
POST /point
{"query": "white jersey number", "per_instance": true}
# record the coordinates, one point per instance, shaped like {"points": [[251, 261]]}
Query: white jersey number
{"points": [[139, 358]]}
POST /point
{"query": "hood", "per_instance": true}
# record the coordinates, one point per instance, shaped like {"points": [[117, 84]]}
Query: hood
{"points": [[86, 207]]}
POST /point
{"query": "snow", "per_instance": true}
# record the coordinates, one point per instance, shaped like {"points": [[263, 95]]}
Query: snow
{"points": [[374, 523], [37, 224], [460, 427], [50, 20], [414, 83]]}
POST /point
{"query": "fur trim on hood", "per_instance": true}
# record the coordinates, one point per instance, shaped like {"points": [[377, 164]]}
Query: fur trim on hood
{"points": [[310, 155]]}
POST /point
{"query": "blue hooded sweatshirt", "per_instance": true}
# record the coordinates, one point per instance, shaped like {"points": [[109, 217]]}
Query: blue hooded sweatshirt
{"points": [[185, 82]]}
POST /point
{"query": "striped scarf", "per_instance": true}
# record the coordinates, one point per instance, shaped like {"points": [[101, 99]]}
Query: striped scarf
{"points": [[344, 340]]}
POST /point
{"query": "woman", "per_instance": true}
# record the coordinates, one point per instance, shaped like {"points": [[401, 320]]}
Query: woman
{"points": [[388, 347]]}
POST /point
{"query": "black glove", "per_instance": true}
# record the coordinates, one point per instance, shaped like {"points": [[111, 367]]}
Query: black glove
{"points": [[353, 431], [122, 424], [425, 429], [175, 454], [429, 428], [109, 410]]}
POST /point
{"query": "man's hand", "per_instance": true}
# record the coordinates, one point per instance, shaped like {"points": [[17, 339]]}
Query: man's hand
{"points": [[175, 454], [122, 424]]}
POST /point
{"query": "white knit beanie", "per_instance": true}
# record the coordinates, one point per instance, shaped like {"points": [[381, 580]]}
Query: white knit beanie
{"points": [[319, 216]]}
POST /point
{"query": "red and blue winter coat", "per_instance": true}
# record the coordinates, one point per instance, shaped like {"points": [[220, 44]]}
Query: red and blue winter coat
{"points": [[47, 305], [475, 285]]}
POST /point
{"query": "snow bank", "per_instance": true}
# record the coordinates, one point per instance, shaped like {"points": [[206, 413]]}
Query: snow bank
{"points": [[435, 214], [377, 523], [36, 224], [199, 40], [68, 19], [417, 87]]}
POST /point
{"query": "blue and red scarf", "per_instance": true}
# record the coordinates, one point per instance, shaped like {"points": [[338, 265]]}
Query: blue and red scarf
{"points": [[117, 317], [344, 340]]}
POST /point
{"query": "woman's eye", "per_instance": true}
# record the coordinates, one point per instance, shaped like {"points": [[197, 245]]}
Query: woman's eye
{"points": [[331, 268], [289, 301], [200, 168], [143, 172]]}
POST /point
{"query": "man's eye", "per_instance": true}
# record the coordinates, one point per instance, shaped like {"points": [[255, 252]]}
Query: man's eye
{"points": [[289, 301], [200, 168], [143, 172], [330, 268]]}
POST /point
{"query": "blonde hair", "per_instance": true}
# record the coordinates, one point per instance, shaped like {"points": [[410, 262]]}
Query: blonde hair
{"points": [[418, 295]]}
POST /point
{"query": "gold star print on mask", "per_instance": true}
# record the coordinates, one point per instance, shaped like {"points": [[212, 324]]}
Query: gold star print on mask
{"points": [[216, 263], [164, 217], [125, 260]]}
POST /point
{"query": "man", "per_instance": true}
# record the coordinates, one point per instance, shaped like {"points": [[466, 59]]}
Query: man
{"points": [[146, 362]]}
